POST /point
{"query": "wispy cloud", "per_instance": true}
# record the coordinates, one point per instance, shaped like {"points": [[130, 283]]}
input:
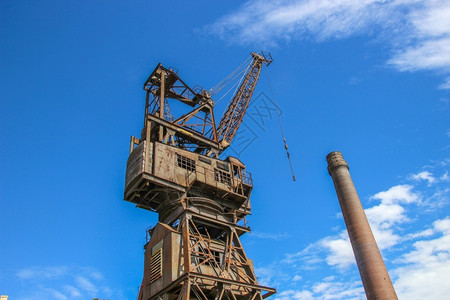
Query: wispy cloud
{"points": [[270, 236], [52, 293], [271, 22], [40, 273], [86, 285], [425, 175], [421, 234], [446, 84], [445, 177], [62, 282], [325, 289], [417, 31], [72, 292], [429, 30]]}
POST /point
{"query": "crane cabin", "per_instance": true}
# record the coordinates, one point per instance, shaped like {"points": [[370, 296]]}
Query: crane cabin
{"points": [[157, 172]]}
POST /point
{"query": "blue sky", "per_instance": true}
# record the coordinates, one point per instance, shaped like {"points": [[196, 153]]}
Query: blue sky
{"points": [[368, 78]]}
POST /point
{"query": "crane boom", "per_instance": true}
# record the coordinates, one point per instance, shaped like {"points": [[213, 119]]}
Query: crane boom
{"points": [[232, 119]]}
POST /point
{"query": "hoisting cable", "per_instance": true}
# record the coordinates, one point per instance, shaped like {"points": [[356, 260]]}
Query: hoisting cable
{"points": [[279, 123]]}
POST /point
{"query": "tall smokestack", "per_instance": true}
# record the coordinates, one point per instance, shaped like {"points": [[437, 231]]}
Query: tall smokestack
{"points": [[374, 276]]}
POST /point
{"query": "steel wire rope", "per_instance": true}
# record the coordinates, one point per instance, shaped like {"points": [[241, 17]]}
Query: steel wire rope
{"points": [[218, 87], [279, 123], [235, 91]]}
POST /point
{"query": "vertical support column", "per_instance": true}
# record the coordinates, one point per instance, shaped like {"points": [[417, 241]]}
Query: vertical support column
{"points": [[186, 290], [147, 102], [375, 278], [213, 123], [186, 245], [148, 144], [162, 90]]}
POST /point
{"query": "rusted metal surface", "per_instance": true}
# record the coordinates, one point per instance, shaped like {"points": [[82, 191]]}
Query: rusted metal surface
{"points": [[235, 113], [201, 246], [375, 278], [202, 201], [190, 129]]}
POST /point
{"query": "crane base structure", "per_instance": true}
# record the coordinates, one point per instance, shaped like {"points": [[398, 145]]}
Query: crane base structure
{"points": [[199, 258], [174, 169]]}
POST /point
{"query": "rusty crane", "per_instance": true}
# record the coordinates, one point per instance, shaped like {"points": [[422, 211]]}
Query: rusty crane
{"points": [[174, 169]]}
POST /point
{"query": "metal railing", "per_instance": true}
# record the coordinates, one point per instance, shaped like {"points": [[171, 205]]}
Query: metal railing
{"points": [[212, 178]]}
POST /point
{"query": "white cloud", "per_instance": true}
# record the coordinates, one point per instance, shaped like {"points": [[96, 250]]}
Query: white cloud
{"points": [[427, 55], [297, 278], [326, 289], [338, 290], [425, 175], [427, 270], [430, 29], [423, 233], [397, 194], [340, 253], [418, 31], [442, 225], [385, 238], [432, 19], [292, 294], [425, 282], [429, 251], [385, 215], [268, 22]]}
